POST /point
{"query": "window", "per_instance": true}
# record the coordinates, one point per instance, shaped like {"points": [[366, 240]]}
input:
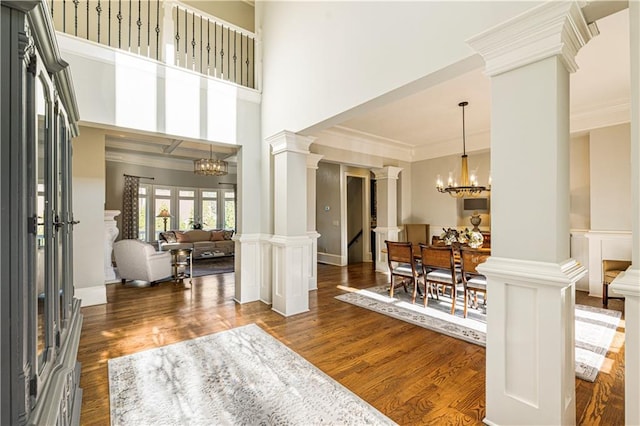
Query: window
{"points": [[229, 210], [213, 208], [162, 199], [186, 209], [210, 208]]}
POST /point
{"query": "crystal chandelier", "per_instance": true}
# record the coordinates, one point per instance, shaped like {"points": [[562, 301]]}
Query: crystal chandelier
{"points": [[210, 166], [468, 187]]}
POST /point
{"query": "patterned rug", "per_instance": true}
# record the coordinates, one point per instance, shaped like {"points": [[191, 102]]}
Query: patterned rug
{"points": [[239, 376], [594, 331]]}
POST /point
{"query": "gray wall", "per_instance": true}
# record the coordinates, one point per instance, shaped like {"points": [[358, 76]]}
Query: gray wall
{"points": [[328, 195], [115, 181]]}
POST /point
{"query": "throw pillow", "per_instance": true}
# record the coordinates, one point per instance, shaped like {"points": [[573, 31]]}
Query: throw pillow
{"points": [[228, 234], [182, 238], [217, 235], [169, 236]]}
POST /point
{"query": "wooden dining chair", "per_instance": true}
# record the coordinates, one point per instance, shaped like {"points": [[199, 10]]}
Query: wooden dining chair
{"points": [[403, 266], [438, 268], [472, 280]]}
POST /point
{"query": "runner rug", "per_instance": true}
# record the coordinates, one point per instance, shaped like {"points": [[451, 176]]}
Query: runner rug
{"points": [[594, 331], [239, 376]]}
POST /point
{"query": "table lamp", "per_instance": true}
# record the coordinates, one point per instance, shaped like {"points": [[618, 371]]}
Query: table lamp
{"points": [[165, 215]]}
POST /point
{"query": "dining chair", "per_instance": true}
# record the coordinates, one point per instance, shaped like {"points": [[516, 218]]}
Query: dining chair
{"points": [[472, 280], [610, 270], [402, 264], [438, 269]]}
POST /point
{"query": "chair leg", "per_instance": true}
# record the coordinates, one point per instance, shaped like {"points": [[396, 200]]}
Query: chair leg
{"points": [[123, 281], [605, 295], [391, 287], [465, 302], [454, 294]]}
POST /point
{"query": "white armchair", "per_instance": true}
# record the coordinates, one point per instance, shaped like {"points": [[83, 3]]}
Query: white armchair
{"points": [[137, 260]]}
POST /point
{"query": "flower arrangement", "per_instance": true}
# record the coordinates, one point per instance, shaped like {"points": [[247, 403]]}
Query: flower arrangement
{"points": [[451, 235]]}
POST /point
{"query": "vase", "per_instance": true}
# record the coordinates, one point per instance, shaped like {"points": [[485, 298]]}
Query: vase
{"points": [[475, 221]]}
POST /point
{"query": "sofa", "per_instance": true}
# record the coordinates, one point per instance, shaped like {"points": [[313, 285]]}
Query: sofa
{"points": [[205, 244]]}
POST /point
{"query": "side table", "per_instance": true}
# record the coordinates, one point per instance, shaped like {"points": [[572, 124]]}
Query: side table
{"points": [[181, 259]]}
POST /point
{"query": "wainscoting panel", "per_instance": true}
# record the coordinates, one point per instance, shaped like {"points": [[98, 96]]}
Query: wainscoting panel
{"points": [[579, 251]]}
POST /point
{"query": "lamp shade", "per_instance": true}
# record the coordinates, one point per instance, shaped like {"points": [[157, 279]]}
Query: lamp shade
{"points": [[164, 213]]}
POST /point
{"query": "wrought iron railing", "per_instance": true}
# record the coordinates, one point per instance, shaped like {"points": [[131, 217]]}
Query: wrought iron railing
{"points": [[167, 31]]}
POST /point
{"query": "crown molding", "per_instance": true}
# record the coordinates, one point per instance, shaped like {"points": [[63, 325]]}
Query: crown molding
{"points": [[287, 141], [603, 115], [150, 161], [352, 140], [553, 28]]}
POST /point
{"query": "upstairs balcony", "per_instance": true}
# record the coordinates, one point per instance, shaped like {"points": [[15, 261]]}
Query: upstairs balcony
{"points": [[166, 31]]}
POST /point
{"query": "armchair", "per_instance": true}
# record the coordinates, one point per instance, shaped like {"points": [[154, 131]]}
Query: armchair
{"points": [[137, 260]]}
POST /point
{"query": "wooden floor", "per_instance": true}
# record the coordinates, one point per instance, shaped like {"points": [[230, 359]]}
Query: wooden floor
{"points": [[413, 375]]}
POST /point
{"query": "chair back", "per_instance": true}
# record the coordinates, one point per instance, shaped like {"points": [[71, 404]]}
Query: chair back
{"points": [[401, 252], [416, 233], [437, 257], [470, 258]]}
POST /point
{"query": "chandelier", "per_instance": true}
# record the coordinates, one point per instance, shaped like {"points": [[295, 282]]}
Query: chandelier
{"points": [[210, 166], [468, 187]]}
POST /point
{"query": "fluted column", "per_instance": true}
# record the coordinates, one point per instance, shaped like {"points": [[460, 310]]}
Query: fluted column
{"points": [[110, 234], [312, 168], [628, 283], [531, 279], [291, 246], [387, 212]]}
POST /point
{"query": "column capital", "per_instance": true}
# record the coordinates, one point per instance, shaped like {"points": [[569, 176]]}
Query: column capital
{"points": [[313, 160], [627, 283], [551, 29], [286, 141], [387, 172]]}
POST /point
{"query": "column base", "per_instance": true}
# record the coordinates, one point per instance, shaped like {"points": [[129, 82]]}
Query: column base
{"points": [[249, 266], [628, 284], [530, 341], [291, 257], [313, 264], [382, 234]]}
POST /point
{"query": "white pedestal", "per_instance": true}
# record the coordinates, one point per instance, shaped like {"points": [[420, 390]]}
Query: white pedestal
{"points": [[530, 341], [248, 262], [291, 256], [628, 285], [110, 234], [383, 234], [313, 264]]}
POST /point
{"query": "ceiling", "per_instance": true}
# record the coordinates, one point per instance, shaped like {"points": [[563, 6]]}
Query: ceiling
{"points": [[432, 118], [599, 97]]}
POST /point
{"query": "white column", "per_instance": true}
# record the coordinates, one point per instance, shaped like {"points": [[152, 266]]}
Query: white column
{"points": [[628, 283], [386, 211], [291, 246], [110, 234], [530, 358], [312, 167]]}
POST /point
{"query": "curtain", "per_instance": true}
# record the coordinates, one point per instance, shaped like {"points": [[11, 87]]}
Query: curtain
{"points": [[130, 207]]}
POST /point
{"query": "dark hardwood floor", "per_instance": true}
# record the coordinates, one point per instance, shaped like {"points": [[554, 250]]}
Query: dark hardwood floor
{"points": [[413, 375]]}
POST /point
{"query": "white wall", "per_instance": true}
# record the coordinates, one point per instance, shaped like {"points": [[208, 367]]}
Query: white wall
{"points": [[118, 89], [579, 183], [88, 208], [240, 13], [610, 172], [343, 53]]}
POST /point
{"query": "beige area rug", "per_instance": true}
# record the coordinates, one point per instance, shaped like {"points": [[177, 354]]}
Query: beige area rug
{"points": [[241, 376], [594, 331]]}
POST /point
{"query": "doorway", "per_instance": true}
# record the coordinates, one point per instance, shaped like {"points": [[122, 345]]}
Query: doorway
{"points": [[355, 219]]}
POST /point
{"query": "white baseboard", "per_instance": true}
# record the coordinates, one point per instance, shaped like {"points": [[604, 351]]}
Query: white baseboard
{"points": [[330, 259], [89, 296]]}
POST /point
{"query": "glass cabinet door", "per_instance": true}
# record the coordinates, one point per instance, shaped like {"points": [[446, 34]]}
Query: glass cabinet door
{"points": [[40, 170]]}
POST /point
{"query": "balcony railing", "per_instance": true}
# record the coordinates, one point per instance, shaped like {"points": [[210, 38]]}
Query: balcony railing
{"points": [[167, 31]]}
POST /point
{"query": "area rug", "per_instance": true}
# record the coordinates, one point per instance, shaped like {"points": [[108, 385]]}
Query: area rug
{"points": [[594, 331], [213, 265], [239, 376]]}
